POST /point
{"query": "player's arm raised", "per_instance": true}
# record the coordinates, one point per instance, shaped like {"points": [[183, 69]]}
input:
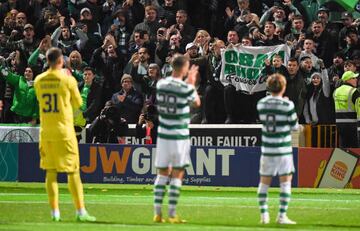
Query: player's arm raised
{"points": [[191, 79]]}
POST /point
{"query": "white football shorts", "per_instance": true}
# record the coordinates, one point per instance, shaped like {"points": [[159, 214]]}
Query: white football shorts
{"points": [[172, 153], [276, 165]]}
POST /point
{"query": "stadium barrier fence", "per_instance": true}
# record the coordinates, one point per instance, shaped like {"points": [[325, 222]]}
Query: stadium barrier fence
{"points": [[210, 166]]}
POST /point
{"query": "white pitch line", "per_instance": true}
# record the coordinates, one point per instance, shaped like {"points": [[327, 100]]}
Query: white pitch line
{"points": [[193, 198], [182, 205], [186, 227]]}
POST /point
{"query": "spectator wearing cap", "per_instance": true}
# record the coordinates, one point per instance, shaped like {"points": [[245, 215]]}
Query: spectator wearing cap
{"points": [[192, 51], [27, 44], [347, 21], [187, 31], [87, 18], [150, 24], [128, 100], [121, 29], [347, 114], [270, 39], [352, 49], [336, 70], [323, 15], [64, 39], [93, 31], [325, 45]]}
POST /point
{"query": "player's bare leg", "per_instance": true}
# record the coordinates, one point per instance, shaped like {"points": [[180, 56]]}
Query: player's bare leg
{"points": [[265, 182], [177, 176], [285, 195], [52, 190], [77, 192], [160, 183]]}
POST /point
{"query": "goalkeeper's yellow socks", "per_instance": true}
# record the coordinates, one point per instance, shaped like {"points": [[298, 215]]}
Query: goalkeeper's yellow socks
{"points": [[52, 190], [76, 189]]}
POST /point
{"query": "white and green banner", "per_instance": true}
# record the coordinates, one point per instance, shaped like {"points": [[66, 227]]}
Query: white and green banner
{"points": [[243, 67]]}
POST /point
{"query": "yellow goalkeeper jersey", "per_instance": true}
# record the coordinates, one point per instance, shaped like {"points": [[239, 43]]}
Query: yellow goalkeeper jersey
{"points": [[58, 94]]}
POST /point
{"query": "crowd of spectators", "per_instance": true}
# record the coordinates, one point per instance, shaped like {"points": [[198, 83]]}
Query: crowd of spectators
{"points": [[118, 50]]}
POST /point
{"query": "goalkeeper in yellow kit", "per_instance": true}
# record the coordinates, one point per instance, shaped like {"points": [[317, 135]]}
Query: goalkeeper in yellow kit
{"points": [[57, 93]]}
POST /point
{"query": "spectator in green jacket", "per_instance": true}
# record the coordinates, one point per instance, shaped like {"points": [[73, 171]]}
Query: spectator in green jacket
{"points": [[25, 105]]}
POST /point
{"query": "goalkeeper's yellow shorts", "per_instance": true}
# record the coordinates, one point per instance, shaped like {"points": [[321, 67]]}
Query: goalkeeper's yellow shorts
{"points": [[63, 155]]}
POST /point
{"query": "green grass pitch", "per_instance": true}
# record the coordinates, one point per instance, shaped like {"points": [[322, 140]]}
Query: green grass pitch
{"points": [[23, 206]]}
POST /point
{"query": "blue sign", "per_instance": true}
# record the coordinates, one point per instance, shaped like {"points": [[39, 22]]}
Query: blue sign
{"points": [[134, 164]]}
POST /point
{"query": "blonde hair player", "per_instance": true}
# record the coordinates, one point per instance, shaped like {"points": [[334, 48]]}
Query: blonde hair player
{"points": [[278, 117], [57, 93]]}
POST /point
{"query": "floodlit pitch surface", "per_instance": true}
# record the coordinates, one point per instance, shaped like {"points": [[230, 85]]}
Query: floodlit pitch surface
{"points": [[125, 207]]}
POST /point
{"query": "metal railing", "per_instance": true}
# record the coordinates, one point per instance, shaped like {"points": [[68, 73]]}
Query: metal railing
{"points": [[321, 136]]}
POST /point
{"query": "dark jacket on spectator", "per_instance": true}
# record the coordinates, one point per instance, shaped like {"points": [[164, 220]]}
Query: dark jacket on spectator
{"points": [[131, 107], [110, 68], [269, 42], [352, 52], [93, 102], [325, 47], [296, 91]]}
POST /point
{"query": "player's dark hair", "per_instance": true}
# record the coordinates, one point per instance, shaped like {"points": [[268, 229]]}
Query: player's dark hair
{"points": [[275, 83], [178, 61], [52, 55]]}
